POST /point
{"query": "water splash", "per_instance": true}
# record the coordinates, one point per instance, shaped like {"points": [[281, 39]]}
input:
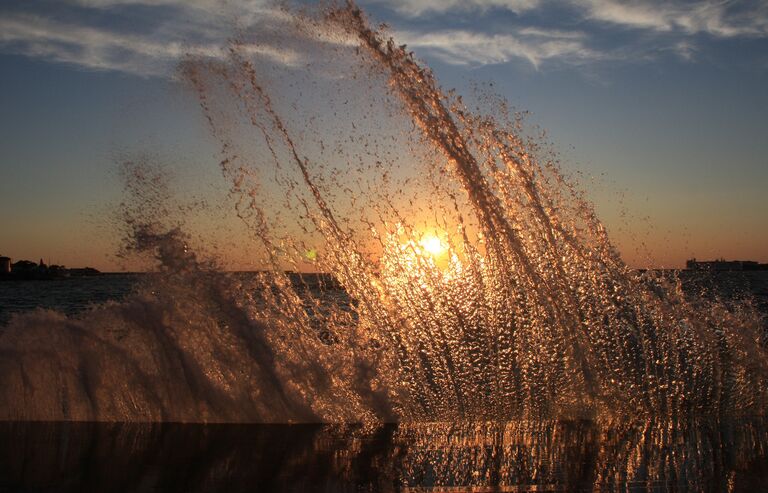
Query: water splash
{"points": [[524, 311]]}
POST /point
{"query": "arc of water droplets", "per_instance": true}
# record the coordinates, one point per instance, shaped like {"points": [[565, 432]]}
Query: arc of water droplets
{"points": [[544, 319]]}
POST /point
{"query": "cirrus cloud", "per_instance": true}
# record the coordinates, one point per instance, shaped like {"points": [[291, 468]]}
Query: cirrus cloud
{"points": [[717, 18], [420, 7], [461, 47], [94, 34], [151, 37]]}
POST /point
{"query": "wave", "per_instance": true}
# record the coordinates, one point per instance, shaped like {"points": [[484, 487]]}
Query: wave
{"points": [[478, 283]]}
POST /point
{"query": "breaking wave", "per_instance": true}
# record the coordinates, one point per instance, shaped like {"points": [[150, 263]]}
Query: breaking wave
{"points": [[467, 278]]}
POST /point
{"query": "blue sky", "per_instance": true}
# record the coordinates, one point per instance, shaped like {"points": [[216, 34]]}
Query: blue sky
{"points": [[664, 103]]}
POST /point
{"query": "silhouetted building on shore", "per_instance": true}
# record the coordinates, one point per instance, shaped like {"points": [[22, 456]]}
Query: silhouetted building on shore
{"points": [[725, 265], [26, 270]]}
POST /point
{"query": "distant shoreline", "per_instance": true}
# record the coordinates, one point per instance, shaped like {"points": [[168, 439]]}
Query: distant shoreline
{"points": [[16, 278]]}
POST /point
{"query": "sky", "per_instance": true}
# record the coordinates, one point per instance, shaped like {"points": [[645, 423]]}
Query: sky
{"points": [[661, 105]]}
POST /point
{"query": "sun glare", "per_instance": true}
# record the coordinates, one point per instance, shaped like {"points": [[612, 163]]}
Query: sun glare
{"points": [[433, 245]]}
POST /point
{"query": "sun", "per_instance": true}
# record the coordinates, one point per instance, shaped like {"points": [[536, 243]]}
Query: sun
{"points": [[433, 245]]}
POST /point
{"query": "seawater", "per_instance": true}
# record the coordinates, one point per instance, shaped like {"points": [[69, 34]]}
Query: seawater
{"points": [[478, 282], [476, 329], [573, 456], [74, 296], [67, 296]]}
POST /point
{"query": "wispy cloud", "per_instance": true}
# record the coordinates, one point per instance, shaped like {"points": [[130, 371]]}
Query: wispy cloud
{"points": [[542, 31], [537, 31], [717, 18], [89, 47], [421, 7], [551, 33], [686, 50], [462, 47], [209, 13], [153, 54], [210, 6]]}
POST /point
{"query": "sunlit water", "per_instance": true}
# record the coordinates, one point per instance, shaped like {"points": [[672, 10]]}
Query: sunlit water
{"points": [[474, 287], [541, 456]]}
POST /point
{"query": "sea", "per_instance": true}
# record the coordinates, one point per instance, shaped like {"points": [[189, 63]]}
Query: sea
{"points": [[73, 296], [69, 296], [560, 455]]}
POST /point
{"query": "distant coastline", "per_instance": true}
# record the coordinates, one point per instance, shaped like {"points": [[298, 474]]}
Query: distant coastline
{"points": [[26, 270], [725, 265]]}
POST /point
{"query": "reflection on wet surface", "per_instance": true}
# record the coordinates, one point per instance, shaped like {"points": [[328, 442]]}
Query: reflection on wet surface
{"points": [[485, 457]]}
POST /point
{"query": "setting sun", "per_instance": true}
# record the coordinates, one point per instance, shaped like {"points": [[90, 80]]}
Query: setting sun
{"points": [[433, 245], [406, 245]]}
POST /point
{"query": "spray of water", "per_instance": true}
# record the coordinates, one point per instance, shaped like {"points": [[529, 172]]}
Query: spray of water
{"points": [[476, 283]]}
